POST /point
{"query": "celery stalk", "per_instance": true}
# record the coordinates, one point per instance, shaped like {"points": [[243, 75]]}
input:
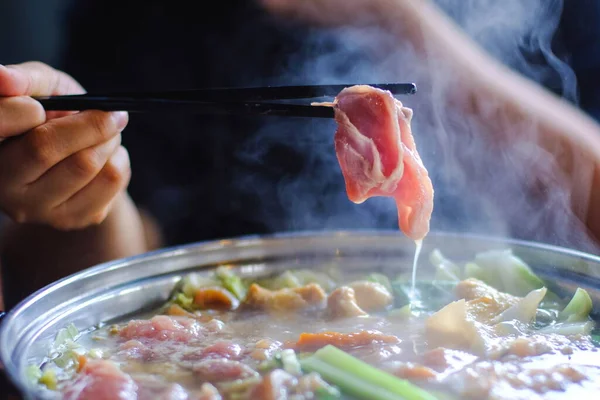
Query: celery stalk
{"points": [[348, 382], [578, 309], [327, 393], [359, 373]]}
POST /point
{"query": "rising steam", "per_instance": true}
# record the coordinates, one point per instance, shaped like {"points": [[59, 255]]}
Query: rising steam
{"points": [[477, 190]]}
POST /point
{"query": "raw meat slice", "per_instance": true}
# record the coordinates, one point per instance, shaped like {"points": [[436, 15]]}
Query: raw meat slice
{"points": [[101, 380], [163, 327], [378, 156]]}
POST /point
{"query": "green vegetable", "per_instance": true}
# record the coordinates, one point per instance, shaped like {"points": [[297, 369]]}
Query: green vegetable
{"points": [[473, 270], [33, 373], [360, 379], [508, 273], [381, 279], [231, 282], [286, 280], [328, 393], [69, 333], [526, 308], [596, 340], [73, 331], [270, 364], [66, 359], [185, 302], [192, 282], [578, 309]]}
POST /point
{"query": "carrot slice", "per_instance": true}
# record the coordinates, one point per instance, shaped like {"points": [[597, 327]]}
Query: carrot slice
{"points": [[215, 298], [177, 310], [315, 341], [82, 360]]}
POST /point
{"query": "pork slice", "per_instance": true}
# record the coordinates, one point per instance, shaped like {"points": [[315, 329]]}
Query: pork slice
{"points": [[378, 156], [220, 349], [163, 327], [220, 370], [101, 380]]}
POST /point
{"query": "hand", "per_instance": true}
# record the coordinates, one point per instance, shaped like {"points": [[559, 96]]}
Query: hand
{"points": [[61, 169]]}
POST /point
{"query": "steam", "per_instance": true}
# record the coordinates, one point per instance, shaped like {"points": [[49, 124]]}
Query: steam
{"points": [[476, 190]]}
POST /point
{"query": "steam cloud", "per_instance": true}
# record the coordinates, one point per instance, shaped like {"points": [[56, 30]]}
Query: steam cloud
{"points": [[476, 190]]}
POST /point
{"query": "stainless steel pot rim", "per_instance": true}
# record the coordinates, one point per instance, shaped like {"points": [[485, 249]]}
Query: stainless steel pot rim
{"points": [[240, 242]]}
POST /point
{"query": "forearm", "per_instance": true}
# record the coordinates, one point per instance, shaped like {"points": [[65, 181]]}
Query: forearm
{"points": [[33, 256], [509, 109]]}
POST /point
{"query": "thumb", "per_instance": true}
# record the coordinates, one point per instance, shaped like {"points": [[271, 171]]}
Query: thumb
{"points": [[36, 79]]}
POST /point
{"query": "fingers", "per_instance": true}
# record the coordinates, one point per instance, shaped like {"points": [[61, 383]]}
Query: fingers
{"points": [[36, 79], [27, 157], [90, 205], [19, 114], [71, 175], [60, 168]]}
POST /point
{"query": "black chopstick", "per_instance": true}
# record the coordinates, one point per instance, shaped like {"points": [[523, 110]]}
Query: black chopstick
{"points": [[259, 93], [187, 107], [225, 101]]}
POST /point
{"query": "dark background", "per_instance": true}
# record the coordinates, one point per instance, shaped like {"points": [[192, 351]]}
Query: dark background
{"points": [[31, 30]]}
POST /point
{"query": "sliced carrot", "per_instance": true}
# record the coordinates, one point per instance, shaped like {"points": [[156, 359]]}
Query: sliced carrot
{"points": [[415, 373], [81, 361], [215, 298], [344, 341], [177, 310]]}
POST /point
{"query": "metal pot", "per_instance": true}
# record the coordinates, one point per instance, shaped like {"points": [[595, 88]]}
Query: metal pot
{"points": [[120, 288]]}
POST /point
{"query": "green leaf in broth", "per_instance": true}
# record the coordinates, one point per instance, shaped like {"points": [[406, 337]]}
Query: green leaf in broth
{"points": [[578, 309], [508, 273]]}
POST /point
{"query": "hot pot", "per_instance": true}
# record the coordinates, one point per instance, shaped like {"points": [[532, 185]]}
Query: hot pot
{"points": [[120, 288]]}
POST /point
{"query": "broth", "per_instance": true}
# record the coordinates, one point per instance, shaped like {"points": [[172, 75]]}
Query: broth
{"points": [[456, 336]]}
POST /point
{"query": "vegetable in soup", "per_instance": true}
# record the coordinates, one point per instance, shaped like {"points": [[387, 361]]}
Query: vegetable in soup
{"points": [[485, 329]]}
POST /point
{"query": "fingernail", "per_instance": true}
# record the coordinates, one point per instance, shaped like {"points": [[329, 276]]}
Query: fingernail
{"points": [[121, 118]]}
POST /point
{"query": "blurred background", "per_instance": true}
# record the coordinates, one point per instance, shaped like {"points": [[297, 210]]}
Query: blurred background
{"points": [[205, 178], [32, 30]]}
